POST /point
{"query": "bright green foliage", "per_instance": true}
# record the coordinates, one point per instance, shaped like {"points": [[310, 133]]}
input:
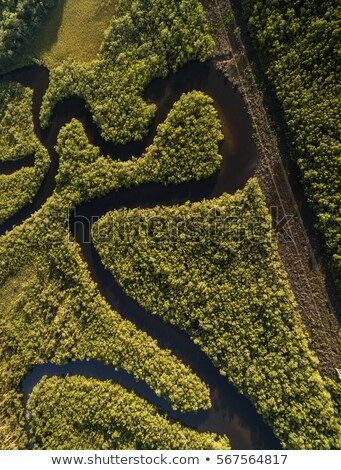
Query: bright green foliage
{"points": [[213, 269], [146, 39], [56, 313], [334, 389], [51, 309], [17, 139], [80, 413], [16, 124], [19, 21], [186, 147], [299, 45]]}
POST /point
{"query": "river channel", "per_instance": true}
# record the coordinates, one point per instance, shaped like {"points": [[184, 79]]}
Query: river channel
{"points": [[232, 413]]}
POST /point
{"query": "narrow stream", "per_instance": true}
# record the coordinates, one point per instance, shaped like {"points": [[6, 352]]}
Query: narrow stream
{"points": [[231, 413], [10, 166]]}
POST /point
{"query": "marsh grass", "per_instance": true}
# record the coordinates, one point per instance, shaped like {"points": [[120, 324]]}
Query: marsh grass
{"points": [[74, 30]]}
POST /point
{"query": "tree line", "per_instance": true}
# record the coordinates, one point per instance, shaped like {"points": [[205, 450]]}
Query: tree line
{"points": [[17, 140], [298, 42], [220, 278]]}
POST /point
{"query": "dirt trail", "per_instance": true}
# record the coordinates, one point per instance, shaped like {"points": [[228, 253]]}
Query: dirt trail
{"points": [[299, 244]]}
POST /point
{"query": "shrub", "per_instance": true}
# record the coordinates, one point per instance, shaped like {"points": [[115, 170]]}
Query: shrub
{"points": [[146, 39], [17, 140], [80, 413], [213, 269], [297, 42]]}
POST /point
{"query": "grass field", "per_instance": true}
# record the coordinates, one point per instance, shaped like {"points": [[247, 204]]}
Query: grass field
{"points": [[74, 31]]}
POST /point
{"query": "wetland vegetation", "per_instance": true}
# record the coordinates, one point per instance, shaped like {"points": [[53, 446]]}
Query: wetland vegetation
{"points": [[298, 46], [179, 284]]}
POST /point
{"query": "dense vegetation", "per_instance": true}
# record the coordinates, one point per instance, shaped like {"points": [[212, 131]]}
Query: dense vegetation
{"points": [[19, 21], [334, 389], [186, 146], [17, 140], [213, 269], [79, 413], [51, 309], [146, 39], [57, 315], [298, 42]]}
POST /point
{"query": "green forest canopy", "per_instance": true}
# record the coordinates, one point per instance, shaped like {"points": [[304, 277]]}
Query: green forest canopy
{"points": [[51, 309], [213, 269], [81, 413], [146, 39], [298, 42], [19, 22], [18, 140]]}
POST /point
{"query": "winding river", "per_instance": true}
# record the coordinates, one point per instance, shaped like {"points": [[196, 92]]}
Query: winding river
{"points": [[231, 413]]}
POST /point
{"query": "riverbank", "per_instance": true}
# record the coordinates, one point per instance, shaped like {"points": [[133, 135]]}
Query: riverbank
{"points": [[231, 413], [298, 241]]}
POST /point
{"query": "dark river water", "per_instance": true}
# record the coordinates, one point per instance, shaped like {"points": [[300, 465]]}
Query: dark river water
{"points": [[231, 413]]}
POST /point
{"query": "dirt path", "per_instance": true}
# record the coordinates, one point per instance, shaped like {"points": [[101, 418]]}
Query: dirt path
{"points": [[304, 265]]}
